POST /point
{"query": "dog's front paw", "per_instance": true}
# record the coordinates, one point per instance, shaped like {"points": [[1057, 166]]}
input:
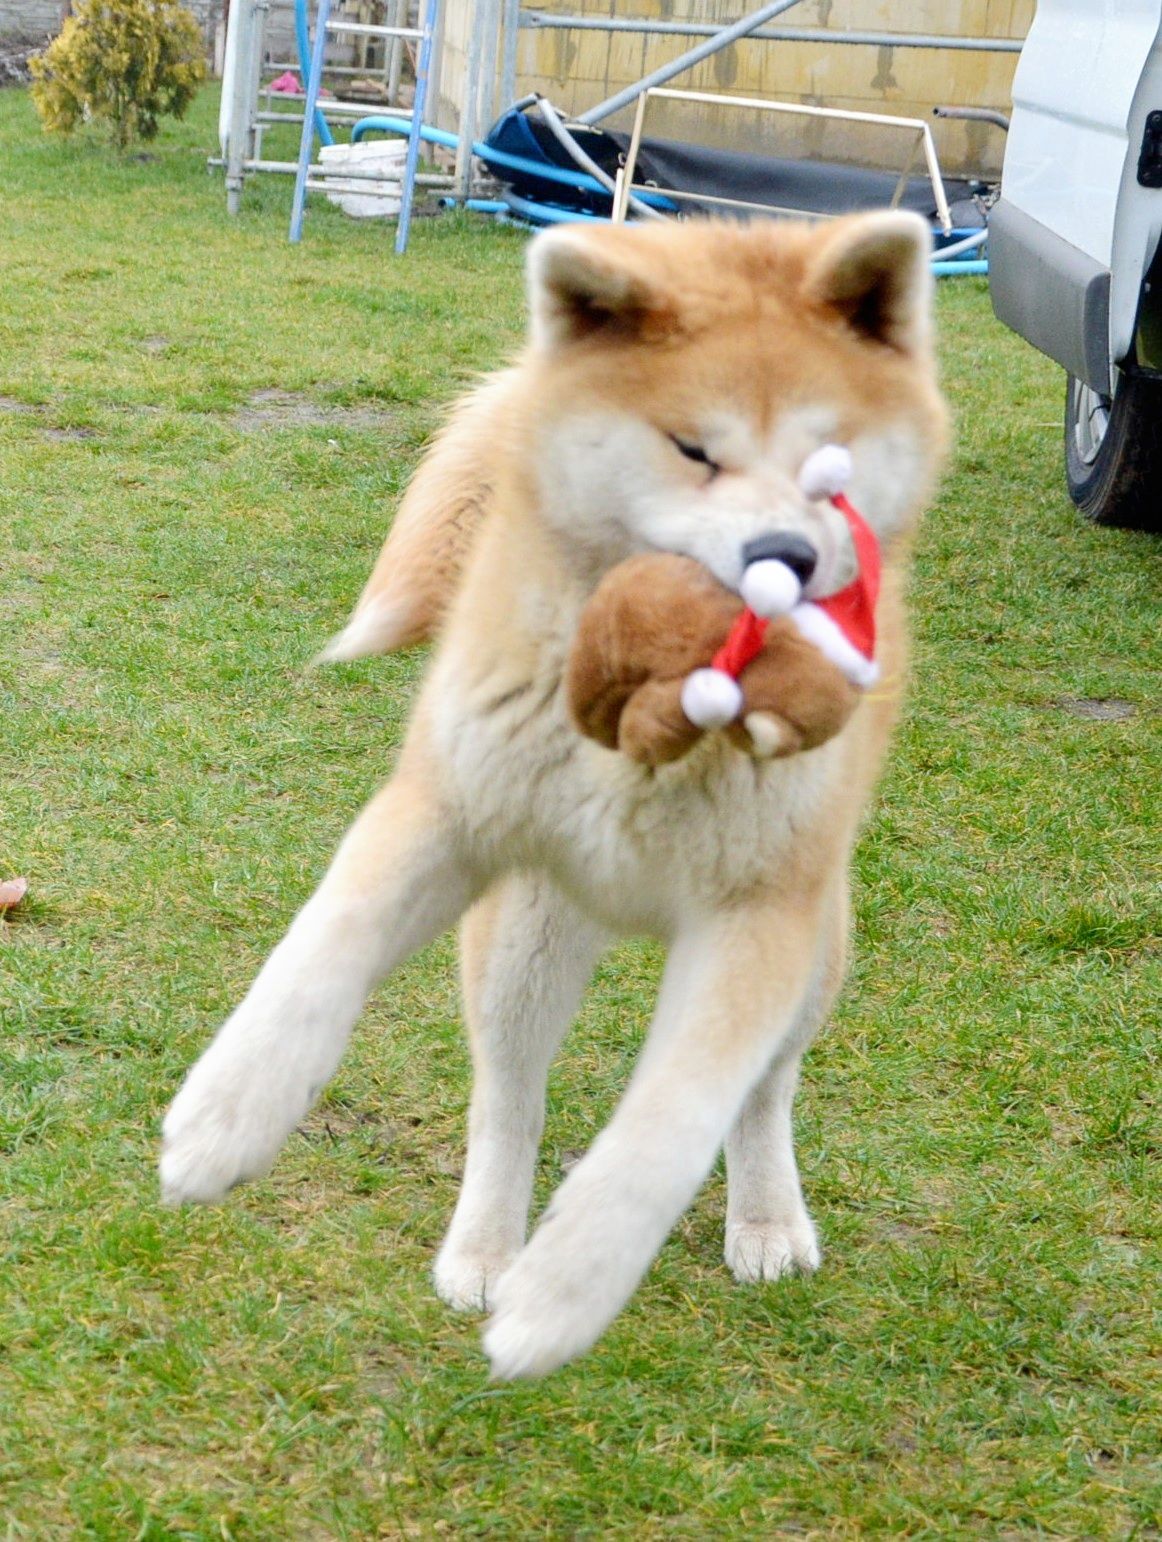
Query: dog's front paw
{"points": [[226, 1126], [556, 1300], [466, 1280], [769, 1250], [537, 1326]]}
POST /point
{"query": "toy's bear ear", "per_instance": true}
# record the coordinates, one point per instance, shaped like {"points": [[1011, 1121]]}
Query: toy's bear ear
{"points": [[873, 269], [584, 281]]}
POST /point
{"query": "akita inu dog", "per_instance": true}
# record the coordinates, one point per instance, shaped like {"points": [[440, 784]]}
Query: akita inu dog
{"points": [[675, 381]]}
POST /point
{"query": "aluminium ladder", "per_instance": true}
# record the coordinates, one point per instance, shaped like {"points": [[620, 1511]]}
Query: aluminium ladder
{"points": [[423, 34]]}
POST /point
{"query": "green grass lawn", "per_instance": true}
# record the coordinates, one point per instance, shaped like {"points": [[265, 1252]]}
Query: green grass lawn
{"points": [[979, 1355]]}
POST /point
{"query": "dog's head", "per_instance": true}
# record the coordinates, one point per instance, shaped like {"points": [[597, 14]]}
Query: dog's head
{"points": [[682, 374]]}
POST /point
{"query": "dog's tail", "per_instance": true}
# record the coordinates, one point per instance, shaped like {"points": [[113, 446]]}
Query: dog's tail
{"points": [[421, 563]]}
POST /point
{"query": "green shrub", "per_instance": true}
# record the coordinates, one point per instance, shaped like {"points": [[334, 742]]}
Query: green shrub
{"points": [[125, 62]]}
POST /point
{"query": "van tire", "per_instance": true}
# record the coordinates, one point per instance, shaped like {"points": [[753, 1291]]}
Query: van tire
{"points": [[1113, 452]]}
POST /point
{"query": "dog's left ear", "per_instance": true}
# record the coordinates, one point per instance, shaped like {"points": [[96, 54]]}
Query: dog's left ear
{"points": [[585, 281], [873, 269]]}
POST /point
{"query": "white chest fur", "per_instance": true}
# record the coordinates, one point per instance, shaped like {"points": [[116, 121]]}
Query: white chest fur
{"points": [[640, 849]]}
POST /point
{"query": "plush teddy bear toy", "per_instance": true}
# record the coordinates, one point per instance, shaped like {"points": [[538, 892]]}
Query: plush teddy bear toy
{"points": [[664, 652]]}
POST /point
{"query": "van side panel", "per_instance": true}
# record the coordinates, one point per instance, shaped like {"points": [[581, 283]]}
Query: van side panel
{"points": [[1050, 293], [1089, 74]]}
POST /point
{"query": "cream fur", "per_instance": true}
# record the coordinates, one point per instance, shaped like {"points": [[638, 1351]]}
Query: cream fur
{"points": [[756, 345]]}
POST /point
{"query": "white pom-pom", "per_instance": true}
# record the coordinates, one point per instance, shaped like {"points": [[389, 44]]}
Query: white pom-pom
{"points": [[770, 588], [711, 698], [825, 472]]}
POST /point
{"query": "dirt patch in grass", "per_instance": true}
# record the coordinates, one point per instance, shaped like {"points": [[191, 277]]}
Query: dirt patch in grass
{"points": [[274, 408], [1111, 710], [68, 434], [332, 1125], [14, 407], [265, 409], [382, 1371]]}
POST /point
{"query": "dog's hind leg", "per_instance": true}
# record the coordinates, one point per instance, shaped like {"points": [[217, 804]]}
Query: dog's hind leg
{"points": [[395, 883], [526, 956], [769, 1232], [730, 999]]}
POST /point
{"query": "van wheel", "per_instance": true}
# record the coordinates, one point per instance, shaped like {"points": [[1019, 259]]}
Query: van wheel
{"points": [[1113, 452]]}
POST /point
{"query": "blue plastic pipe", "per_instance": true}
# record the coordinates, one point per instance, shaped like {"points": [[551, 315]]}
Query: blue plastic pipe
{"points": [[302, 40], [548, 213], [314, 77], [403, 126], [975, 269], [416, 129]]}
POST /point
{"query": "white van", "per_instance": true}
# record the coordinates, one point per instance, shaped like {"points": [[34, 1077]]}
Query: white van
{"points": [[1075, 244]]}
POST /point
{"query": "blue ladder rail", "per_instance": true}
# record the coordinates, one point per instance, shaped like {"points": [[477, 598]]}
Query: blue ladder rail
{"points": [[310, 111]]}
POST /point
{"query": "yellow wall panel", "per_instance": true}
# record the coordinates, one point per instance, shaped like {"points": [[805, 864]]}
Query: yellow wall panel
{"points": [[591, 60]]}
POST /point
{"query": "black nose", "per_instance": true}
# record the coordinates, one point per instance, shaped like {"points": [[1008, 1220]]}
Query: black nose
{"points": [[784, 546]]}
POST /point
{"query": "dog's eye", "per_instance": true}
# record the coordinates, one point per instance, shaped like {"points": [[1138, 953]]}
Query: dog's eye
{"points": [[695, 452]]}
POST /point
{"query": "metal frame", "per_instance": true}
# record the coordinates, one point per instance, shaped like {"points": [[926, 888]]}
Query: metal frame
{"points": [[721, 39], [551, 21], [303, 181], [918, 126], [490, 74], [492, 52], [241, 74], [480, 84], [491, 64], [244, 115]]}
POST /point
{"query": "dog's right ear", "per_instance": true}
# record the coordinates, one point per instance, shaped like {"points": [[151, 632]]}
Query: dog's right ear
{"points": [[585, 281], [873, 271]]}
